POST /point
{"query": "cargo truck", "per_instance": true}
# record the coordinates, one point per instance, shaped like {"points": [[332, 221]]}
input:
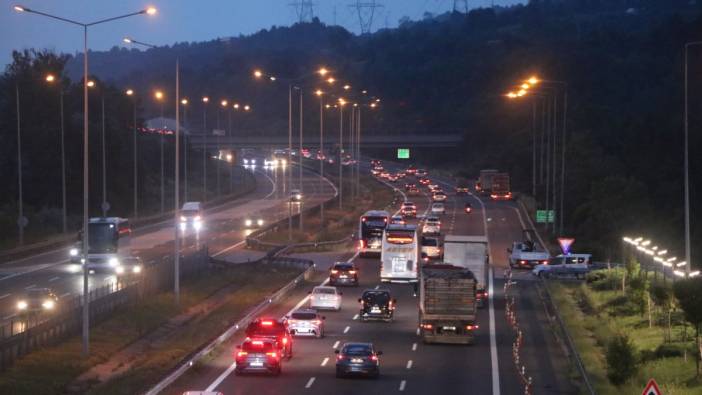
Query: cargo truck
{"points": [[470, 252], [484, 183], [447, 304], [500, 188]]}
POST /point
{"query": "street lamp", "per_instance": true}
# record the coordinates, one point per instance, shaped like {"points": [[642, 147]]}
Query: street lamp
{"points": [[205, 100], [342, 102], [50, 78], [688, 254], [321, 158], [105, 206], [159, 96], [86, 296], [130, 93]]}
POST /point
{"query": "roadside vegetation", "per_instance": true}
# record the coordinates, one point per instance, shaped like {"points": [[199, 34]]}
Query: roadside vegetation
{"points": [[54, 369], [630, 325]]}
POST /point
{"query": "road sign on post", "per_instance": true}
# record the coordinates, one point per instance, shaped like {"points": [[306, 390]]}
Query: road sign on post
{"points": [[651, 388], [543, 216], [403, 153]]}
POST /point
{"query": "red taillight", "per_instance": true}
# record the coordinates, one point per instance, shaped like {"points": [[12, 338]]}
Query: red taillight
{"points": [[427, 326], [272, 354], [285, 340], [339, 357], [374, 357], [257, 343], [472, 327], [523, 262], [361, 243], [544, 262]]}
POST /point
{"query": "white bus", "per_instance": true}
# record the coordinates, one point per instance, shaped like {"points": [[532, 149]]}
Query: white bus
{"points": [[399, 255], [108, 243], [370, 231]]}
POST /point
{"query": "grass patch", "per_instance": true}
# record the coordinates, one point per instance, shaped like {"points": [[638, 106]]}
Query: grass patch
{"points": [[595, 312], [52, 369]]}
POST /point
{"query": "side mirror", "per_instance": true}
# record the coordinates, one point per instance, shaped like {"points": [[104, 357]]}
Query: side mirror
{"points": [[378, 353], [336, 351]]}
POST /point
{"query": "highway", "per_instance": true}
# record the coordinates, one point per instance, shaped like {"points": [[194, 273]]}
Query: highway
{"points": [[224, 233], [407, 364]]}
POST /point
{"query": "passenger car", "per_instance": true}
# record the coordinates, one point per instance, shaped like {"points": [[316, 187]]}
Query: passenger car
{"points": [[258, 355], [270, 328], [191, 216], [357, 358], [408, 209], [295, 195], [255, 222], [325, 297], [37, 300], [343, 273], [432, 225], [305, 322], [376, 304], [571, 264], [397, 220], [431, 247], [438, 197], [438, 208]]}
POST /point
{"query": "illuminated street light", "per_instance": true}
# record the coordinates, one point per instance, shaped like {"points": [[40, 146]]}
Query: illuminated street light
{"points": [[525, 86], [158, 95], [347, 87], [223, 103], [247, 107], [184, 102], [50, 78], [129, 92], [331, 80], [151, 11], [318, 92], [236, 106], [511, 95], [533, 80], [205, 99], [645, 242], [91, 84], [323, 71], [258, 73]]}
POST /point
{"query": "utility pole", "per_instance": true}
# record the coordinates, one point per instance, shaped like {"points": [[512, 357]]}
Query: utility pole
{"points": [[322, 158], [299, 158], [341, 154], [205, 100], [176, 192], [21, 220], [289, 178], [105, 206]]}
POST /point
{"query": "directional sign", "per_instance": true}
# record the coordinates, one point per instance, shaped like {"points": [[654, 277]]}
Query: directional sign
{"points": [[403, 153], [543, 216], [651, 388], [565, 244]]}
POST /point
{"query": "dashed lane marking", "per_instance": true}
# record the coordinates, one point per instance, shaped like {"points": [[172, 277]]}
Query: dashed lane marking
{"points": [[324, 362], [221, 377], [409, 364], [310, 382], [403, 384], [347, 329], [30, 286], [64, 295], [414, 346], [53, 279], [355, 317], [336, 344]]}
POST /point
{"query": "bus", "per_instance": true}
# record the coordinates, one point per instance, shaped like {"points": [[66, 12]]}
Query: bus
{"points": [[108, 243], [399, 255], [370, 231]]}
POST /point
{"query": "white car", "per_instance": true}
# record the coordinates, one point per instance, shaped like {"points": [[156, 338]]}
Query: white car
{"points": [[437, 208], [191, 216], [295, 195], [306, 322], [253, 222], [325, 297], [571, 264], [432, 225], [431, 248]]}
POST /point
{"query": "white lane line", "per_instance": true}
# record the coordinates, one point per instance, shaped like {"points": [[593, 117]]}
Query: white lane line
{"points": [[347, 329], [4, 296], [324, 362], [31, 286], [221, 377], [409, 364], [336, 344], [64, 295], [493, 340], [51, 280], [8, 317], [417, 331], [403, 384], [355, 317], [414, 346], [377, 286], [231, 247], [310, 382]]}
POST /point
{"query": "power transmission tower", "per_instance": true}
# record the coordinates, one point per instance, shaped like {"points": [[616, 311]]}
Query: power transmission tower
{"points": [[366, 12], [304, 10], [458, 4]]}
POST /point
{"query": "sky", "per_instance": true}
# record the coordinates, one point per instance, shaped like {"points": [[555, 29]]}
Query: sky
{"points": [[186, 20]]}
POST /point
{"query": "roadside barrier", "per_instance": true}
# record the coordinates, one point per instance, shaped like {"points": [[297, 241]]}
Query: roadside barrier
{"points": [[511, 315]]}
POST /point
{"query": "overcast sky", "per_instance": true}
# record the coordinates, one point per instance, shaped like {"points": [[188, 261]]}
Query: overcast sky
{"points": [[187, 20]]}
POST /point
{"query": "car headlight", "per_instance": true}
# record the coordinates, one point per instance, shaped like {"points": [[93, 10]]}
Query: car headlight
{"points": [[298, 196], [48, 304], [198, 218], [253, 161], [22, 305], [182, 218], [197, 225], [183, 225], [285, 162], [247, 222], [119, 270], [113, 262], [246, 161], [136, 269], [73, 252], [259, 222]]}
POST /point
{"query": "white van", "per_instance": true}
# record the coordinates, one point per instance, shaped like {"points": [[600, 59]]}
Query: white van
{"points": [[191, 216], [571, 264]]}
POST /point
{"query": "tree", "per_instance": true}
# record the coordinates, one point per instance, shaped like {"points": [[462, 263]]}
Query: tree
{"points": [[689, 295], [621, 359]]}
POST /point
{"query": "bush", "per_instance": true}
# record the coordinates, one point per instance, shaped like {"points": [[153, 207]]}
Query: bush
{"points": [[621, 361]]}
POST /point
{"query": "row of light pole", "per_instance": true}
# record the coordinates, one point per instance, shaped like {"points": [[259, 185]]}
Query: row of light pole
{"points": [[549, 92], [659, 254]]}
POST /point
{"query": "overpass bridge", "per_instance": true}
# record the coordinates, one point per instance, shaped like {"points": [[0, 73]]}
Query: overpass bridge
{"points": [[368, 140]]}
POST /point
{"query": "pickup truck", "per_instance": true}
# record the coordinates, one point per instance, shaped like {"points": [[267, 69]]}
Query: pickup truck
{"points": [[527, 254]]}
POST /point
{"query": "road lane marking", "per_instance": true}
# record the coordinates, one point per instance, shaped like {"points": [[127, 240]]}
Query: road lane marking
{"points": [[414, 346], [64, 295], [324, 362], [409, 364], [347, 329], [310, 382], [31, 286], [377, 286], [417, 331], [221, 377], [493, 340], [4, 296], [355, 317], [336, 344], [53, 279], [231, 247], [403, 383]]}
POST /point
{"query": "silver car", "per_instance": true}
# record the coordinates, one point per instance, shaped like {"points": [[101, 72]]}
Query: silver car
{"points": [[325, 297], [306, 322], [432, 225]]}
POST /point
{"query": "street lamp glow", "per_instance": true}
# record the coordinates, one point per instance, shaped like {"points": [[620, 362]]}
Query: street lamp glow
{"points": [[525, 86], [331, 80], [236, 106], [258, 73], [91, 84], [127, 40], [247, 107], [158, 95], [50, 78], [342, 101], [695, 273], [323, 71], [151, 11], [129, 92], [513, 95], [521, 92], [19, 8], [373, 105], [224, 103], [645, 242], [533, 80], [205, 99], [672, 259], [347, 87], [318, 92], [272, 78], [662, 252], [184, 101], [327, 105]]}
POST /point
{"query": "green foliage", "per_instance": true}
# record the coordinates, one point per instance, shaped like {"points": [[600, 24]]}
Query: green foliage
{"points": [[621, 359], [689, 294]]}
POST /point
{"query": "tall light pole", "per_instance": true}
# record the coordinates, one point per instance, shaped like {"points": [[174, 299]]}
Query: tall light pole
{"points": [[176, 191], [104, 205], [50, 78], [135, 209], [21, 220], [321, 158], [688, 253], [86, 295], [205, 100], [223, 104], [342, 102], [299, 158], [184, 102], [158, 95]]}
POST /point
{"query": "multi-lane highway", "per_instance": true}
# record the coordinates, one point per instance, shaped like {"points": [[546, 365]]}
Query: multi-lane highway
{"points": [[224, 233], [407, 364]]}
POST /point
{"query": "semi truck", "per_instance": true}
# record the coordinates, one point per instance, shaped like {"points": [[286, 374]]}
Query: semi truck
{"points": [[470, 252], [447, 304], [484, 183], [500, 188]]}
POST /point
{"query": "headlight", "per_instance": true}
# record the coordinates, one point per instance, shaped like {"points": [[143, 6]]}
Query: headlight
{"points": [[73, 252], [285, 162], [113, 262], [260, 222], [136, 269], [119, 270], [48, 304], [275, 162], [198, 218], [298, 196], [182, 218], [246, 161], [247, 222], [22, 305], [253, 161], [183, 225], [197, 225]]}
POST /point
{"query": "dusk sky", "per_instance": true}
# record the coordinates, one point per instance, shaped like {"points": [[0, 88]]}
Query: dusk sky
{"points": [[183, 20]]}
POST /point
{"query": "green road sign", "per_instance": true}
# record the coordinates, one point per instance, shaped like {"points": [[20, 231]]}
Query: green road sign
{"points": [[403, 153], [543, 216]]}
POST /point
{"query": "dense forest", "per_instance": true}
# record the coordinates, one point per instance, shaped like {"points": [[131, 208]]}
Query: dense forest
{"points": [[622, 62]]}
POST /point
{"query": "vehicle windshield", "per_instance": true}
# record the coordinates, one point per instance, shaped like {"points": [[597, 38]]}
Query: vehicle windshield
{"points": [[261, 329], [376, 297], [303, 316], [343, 267], [256, 346], [326, 291], [189, 213], [356, 349], [104, 238], [430, 242], [374, 222], [438, 205]]}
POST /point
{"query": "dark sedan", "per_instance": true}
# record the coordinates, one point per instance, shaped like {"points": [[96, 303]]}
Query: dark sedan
{"points": [[358, 359]]}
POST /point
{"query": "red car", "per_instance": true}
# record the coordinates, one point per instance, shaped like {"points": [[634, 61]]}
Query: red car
{"points": [[270, 328], [258, 355]]}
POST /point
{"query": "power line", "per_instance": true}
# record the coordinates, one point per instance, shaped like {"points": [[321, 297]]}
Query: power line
{"points": [[304, 10], [365, 11]]}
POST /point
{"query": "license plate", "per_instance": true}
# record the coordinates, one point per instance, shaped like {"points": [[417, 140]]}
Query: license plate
{"points": [[356, 360], [449, 328], [257, 364], [343, 276], [375, 310]]}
